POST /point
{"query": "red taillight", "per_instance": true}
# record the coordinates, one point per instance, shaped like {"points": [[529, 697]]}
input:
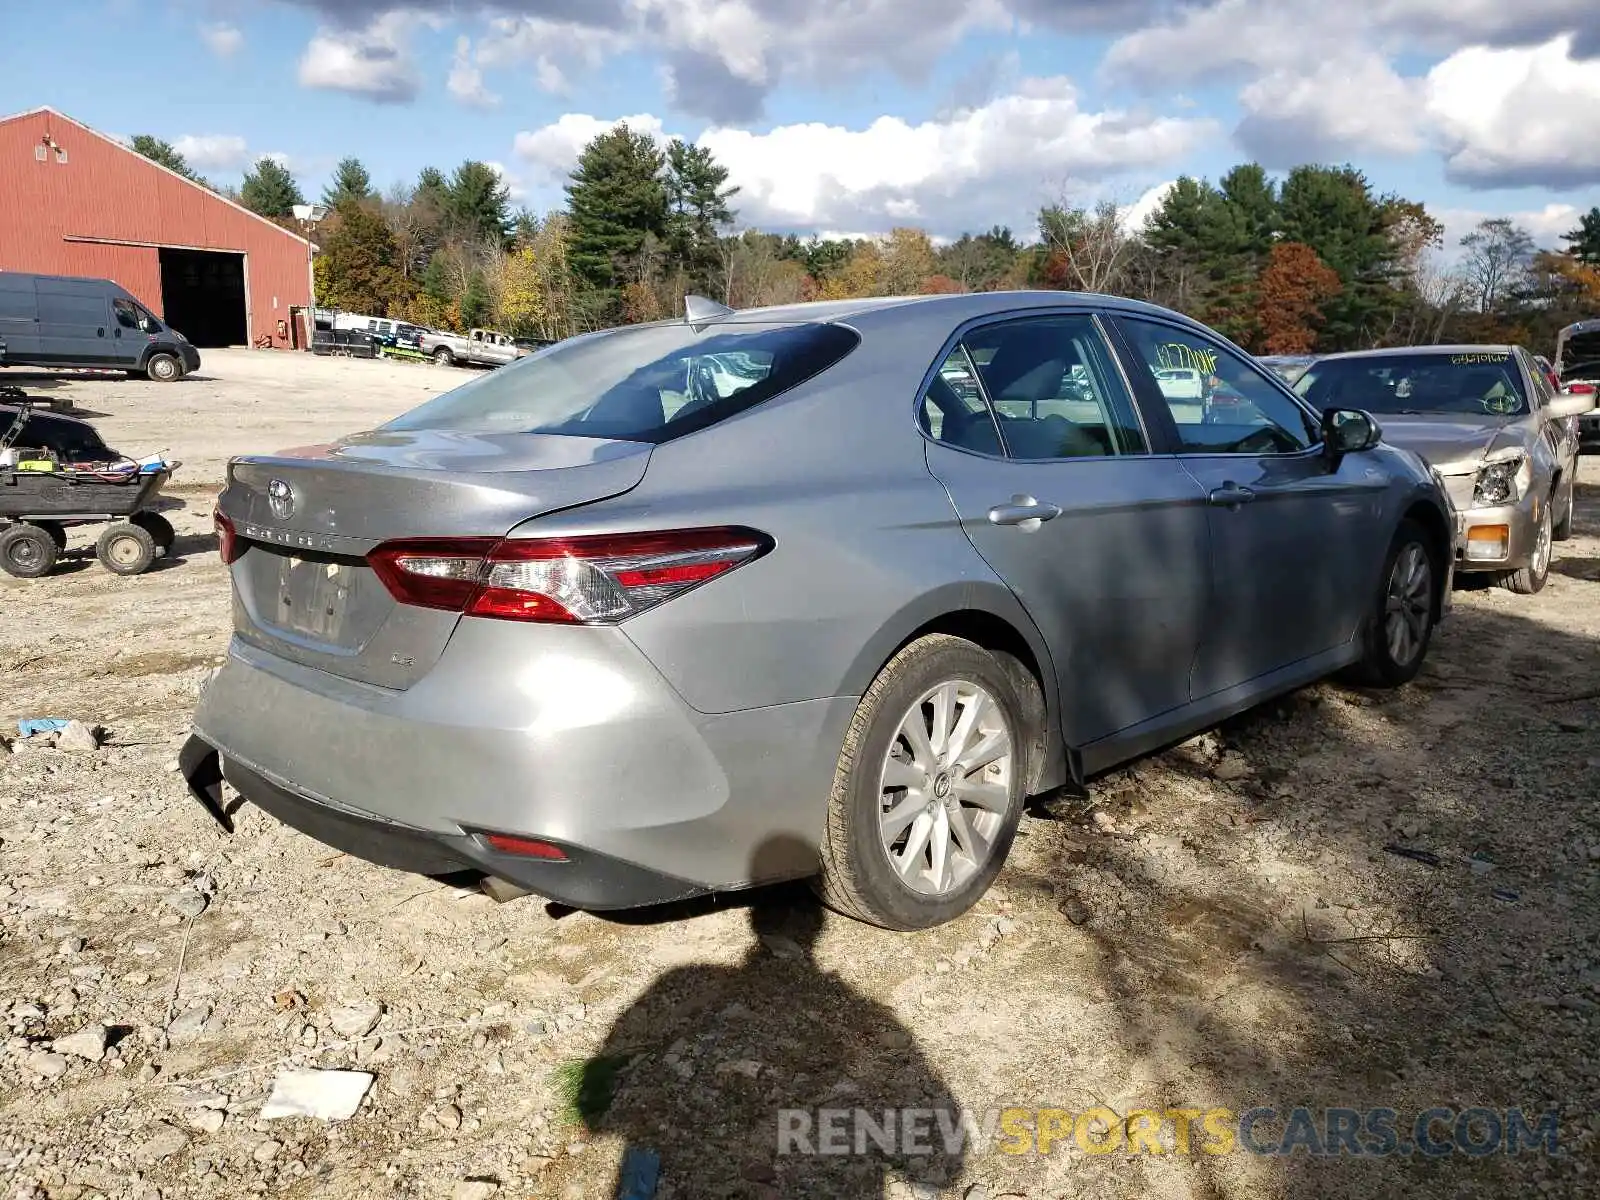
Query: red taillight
{"points": [[525, 847], [1581, 389], [227, 539], [581, 580]]}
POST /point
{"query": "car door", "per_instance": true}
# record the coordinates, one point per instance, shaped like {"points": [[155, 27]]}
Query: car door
{"points": [[1296, 547], [1104, 544], [128, 340]]}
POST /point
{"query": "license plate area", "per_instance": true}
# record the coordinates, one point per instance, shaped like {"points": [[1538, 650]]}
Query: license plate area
{"points": [[314, 595]]}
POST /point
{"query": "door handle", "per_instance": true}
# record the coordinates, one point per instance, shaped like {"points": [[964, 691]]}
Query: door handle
{"points": [[100, 332], [1231, 495], [1024, 511]]}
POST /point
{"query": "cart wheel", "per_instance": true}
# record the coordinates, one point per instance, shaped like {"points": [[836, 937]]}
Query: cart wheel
{"points": [[158, 527], [27, 551], [126, 549], [57, 532]]}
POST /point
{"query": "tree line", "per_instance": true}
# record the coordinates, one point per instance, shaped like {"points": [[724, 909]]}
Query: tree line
{"points": [[1316, 262]]}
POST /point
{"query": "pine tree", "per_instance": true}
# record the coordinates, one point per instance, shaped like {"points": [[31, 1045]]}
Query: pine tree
{"points": [[616, 199], [159, 151], [478, 204], [270, 190], [1333, 210], [697, 208], [1584, 241], [360, 266], [350, 182]]}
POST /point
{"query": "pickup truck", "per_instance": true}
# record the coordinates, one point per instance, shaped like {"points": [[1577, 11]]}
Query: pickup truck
{"points": [[480, 347]]}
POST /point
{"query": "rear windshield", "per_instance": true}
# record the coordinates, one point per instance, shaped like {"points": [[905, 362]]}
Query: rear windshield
{"points": [[1579, 352], [651, 383], [1474, 383]]}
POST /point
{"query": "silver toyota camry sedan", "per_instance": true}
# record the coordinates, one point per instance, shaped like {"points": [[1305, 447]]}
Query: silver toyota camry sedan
{"points": [[815, 591], [1487, 418]]}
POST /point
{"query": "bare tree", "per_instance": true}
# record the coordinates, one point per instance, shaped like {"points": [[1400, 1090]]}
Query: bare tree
{"points": [[1499, 252], [1088, 247]]}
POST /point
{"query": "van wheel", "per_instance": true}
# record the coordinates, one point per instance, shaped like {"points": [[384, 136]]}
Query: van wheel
{"points": [[27, 551], [929, 787], [163, 368], [126, 549], [443, 357]]}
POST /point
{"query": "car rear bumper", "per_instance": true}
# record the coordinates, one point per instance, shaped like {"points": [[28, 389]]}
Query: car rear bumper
{"points": [[580, 744]]}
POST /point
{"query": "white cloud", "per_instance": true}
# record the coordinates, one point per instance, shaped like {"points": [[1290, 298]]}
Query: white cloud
{"points": [[1510, 118], [466, 80], [514, 185], [1547, 225], [1339, 107], [374, 63], [223, 40], [992, 163], [213, 151], [1136, 214], [553, 151]]}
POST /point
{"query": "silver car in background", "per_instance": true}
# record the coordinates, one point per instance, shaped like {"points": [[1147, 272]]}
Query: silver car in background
{"points": [[1488, 419], [815, 591]]}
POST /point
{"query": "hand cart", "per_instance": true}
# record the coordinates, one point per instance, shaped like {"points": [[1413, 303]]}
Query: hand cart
{"points": [[40, 498]]}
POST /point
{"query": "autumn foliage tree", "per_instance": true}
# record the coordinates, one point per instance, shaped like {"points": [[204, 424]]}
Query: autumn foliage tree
{"points": [[1291, 290]]}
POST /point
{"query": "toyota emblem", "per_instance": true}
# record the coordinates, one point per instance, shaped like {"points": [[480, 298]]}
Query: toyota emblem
{"points": [[280, 498]]}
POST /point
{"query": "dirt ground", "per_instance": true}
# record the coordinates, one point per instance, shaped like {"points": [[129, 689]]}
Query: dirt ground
{"points": [[1216, 927]]}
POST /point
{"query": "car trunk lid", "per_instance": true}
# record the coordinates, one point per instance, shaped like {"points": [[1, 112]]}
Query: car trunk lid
{"points": [[306, 518]]}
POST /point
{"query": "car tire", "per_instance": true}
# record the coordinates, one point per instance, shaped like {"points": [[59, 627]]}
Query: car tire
{"points": [[890, 828], [1531, 579], [1561, 531], [126, 549], [1399, 628], [27, 551], [163, 368], [443, 357], [158, 527]]}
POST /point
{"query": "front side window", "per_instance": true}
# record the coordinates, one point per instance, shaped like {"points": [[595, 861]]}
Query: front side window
{"points": [[126, 312], [1473, 383], [650, 383], [1218, 402]]}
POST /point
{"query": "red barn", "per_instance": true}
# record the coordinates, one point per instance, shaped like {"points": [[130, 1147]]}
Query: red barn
{"points": [[77, 202]]}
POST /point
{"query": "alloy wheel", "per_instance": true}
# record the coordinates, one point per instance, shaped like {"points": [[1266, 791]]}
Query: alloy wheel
{"points": [[945, 787], [1541, 547], [1409, 604]]}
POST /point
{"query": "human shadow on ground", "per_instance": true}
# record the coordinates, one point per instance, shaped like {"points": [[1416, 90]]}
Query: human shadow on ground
{"points": [[690, 1071]]}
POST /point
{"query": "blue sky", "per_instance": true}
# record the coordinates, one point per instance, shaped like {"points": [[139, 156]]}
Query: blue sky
{"points": [[857, 115]]}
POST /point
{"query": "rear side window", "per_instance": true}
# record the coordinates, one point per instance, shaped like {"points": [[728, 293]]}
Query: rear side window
{"points": [[1037, 389], [652, 383]]}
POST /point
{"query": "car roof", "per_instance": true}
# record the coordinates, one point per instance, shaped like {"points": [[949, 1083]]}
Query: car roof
{"points": [[1397, 351], [956, 307]]}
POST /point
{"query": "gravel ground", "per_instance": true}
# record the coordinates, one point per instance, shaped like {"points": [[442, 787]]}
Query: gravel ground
{"points": [[1218, 926]]}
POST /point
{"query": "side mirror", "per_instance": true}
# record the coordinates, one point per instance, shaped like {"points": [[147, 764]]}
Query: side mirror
{"points": [[1348, 431], [1569, 404]]}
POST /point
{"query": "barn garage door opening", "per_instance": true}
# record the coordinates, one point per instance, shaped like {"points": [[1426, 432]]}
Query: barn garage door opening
{"points": [[202, 292]]}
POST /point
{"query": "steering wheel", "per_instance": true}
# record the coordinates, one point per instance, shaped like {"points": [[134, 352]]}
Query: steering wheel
{"points": [[1501, 406], [1262, 441]]}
